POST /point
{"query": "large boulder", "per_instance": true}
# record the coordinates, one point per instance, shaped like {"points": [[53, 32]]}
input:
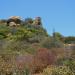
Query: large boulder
{"points": [[14, 20], [37, 21]]}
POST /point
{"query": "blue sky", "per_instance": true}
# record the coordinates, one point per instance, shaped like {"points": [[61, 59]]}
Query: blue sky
{"points": [[58, 14]]}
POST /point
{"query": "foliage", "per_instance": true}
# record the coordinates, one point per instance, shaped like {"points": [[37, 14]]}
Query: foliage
{"points": [[70, 39], [59, 36], [70, 63], [50, 42], [27, 48], [4, 30], [58, 70], [42, 59], [28, 21]]}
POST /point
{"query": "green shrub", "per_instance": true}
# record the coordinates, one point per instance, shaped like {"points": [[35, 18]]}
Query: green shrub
{"points": [[58, 70], [70, 63]]}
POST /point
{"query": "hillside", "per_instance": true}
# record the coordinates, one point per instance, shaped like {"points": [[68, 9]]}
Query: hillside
{"points": [[16, 34], [27, 49]]}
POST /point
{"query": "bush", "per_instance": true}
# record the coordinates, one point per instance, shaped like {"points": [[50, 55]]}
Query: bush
{"points": [[4, 32], [49, 43], [70, 63], [58, 70], [28, 21], [11, 64], [42, 59]]}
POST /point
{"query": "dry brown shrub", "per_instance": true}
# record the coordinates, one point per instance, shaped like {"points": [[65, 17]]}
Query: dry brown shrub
{"points": [[42, 59]]}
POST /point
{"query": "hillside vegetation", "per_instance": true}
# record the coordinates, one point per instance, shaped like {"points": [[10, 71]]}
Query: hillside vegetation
{"points": [[27, 49]]}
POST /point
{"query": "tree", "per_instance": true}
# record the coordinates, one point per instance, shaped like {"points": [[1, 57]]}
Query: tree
{"points": [[28, 21], [59, 36], [69, 39]]}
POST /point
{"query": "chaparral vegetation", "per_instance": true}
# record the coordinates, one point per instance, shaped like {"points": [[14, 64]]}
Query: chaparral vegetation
{"points": [[27, 49]]}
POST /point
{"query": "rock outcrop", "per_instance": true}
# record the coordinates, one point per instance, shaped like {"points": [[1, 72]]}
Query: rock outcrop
{"points": [[14, 21]]}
